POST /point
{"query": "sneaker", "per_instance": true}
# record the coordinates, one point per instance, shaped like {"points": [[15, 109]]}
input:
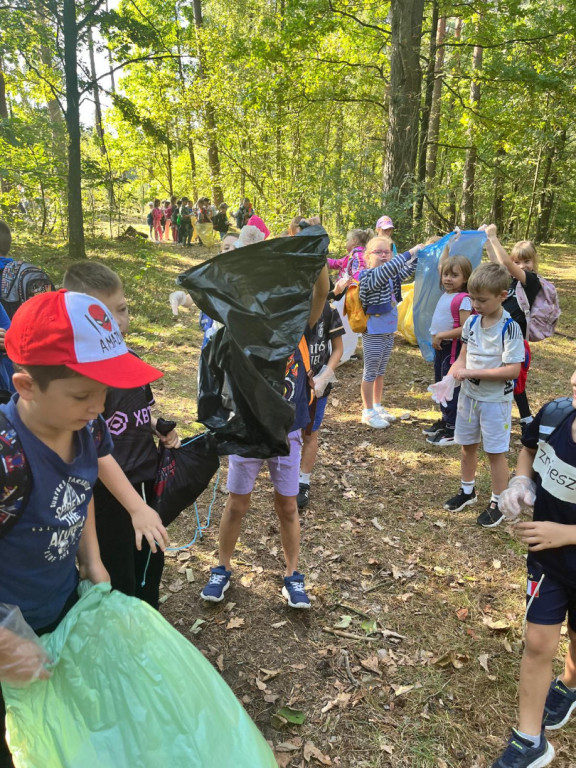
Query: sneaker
{"points": [[521, 754], [381, 411], [434, 428], [560, 704], [293, 590], [374, 420], [303, 495], [443, 437], [491, 517], [217, 584], [461, 500]]}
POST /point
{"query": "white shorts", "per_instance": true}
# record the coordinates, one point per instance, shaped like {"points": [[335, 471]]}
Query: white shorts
{"points": [[483, 421]]}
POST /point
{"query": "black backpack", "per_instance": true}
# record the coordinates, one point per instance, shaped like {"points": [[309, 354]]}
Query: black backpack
{"points": [[20, 281], [554, 414]]}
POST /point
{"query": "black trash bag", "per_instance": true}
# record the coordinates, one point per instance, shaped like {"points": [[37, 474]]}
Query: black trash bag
{"points": [[183, 474], [262, 295]]}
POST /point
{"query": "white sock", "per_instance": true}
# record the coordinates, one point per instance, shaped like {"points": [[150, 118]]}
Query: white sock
{"points": [[495, 497], [468, 487], [305, 477], [367, 411], [534, 739]]}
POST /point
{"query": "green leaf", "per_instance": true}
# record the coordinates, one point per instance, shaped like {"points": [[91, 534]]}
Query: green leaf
{"points": [[344, 622], [294, 716], [197, 626], [369, 626]]}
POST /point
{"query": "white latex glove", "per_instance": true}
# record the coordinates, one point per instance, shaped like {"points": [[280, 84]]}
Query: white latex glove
{"points": [[443, 391], [22, 658], [324, 377], [342, 284], [518, 497]]}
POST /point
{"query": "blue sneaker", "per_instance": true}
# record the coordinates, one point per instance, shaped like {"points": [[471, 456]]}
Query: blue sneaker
{"points": [[293, 590], [521, 754], [217, 584], [560, 704]]}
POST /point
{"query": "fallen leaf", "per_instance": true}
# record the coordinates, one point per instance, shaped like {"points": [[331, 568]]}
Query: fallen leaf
{"points": [[260, 685], [294, 716], [401, 690], [462, 614], [229, 607], [176, 586], [220, 663], [451, 658], [344, 622], [386, 748], [289, 746], [376, 524], [483, 660], [197, 626], [369, 626], [497, 564], [498, 626], [235, 623], [283, 759], [439, 524], [310, 751], [371, 664], [278, 624], [269, 674]]}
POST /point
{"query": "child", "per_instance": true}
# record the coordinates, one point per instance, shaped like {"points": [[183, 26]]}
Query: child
{"points": [[545, 480], [380, 292], [168, 208], [522, 264], [450, 314], [150, 220], [489, 361], [284, 471], [353, 263], [127, 414], [384, 227], [157, 214], [174, 219], [68, 351], [244, 212], [185, 225], [221, 223], [325, 347]]}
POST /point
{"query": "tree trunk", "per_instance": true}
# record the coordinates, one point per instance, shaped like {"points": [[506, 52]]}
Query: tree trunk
{"points": [[497, 213], [210, 114], [404, 106], [549, 185], [426, 113], [76, 244], [468, 186], [436, 106], [5, 186]]}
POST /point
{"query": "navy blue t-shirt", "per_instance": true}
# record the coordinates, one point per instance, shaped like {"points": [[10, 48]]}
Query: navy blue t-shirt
{"points": [[555, 468], [296, 390], [38, 555]]}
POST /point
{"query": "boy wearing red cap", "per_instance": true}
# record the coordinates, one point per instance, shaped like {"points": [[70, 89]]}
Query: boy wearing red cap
{"points": [[67, 350]]}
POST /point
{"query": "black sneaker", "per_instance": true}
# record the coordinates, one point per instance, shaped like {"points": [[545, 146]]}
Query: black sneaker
{"points": [[491, 517], [436, 427], [520, 753], [443, 437], [461, 500], [560, 704], [303, 495]]}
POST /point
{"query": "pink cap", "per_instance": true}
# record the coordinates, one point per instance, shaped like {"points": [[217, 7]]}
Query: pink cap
{"points": [[384, 222]]}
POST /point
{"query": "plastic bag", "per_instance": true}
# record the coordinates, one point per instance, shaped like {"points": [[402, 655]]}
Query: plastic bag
{"points": [[22, 657], [262, 295], [127, 689], [519, 497], [406, 314], [427, 289], [183, 474], [443, 391]]}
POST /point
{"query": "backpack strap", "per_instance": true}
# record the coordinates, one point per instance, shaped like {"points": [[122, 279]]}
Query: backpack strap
{"points": [[305, 352], [18, 480], [504, 328], [455, 305], [554, 414]]}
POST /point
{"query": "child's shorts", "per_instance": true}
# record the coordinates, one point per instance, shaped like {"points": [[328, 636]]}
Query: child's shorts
{"points": [[553, 600], [284, 470], [481, 421]]}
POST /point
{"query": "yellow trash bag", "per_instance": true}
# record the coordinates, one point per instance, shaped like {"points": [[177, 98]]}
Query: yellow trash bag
{"points": [[406, 314]]}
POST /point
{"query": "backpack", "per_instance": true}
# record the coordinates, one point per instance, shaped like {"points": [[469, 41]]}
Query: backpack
{"points": [[20, 281], [542, 316], [353, 308], [18, 482], [554, 414], [455, 305], [504, 328], [149, 220]]}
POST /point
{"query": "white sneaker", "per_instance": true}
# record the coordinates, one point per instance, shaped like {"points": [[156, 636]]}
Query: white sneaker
{"points": [[375, 420], [381, 411]]}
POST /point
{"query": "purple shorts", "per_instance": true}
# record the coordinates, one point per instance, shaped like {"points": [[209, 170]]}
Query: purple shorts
{"points": [[284, 470]]}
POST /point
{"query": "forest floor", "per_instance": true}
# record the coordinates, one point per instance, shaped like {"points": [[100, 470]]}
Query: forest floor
{"points": [[409, 657]]}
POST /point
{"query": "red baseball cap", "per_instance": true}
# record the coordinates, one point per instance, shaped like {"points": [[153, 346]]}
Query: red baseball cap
{"points": [[78, 331]]}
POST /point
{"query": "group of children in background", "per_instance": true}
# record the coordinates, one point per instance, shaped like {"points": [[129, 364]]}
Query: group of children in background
{"points": [[178, 220], [479, 333]]}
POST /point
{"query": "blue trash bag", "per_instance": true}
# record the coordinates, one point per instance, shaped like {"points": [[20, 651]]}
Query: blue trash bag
{"points": [[128, 691], [427, 289]]}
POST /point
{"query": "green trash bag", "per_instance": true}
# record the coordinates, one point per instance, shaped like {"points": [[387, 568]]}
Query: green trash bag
{"points": [[128, 691]]}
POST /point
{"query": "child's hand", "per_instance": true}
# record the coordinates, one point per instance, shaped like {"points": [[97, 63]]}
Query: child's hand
{"points": [[94, 572], [147, 524], [415, 250], [543, 534], [21, 661], [437, 341], [342, 284], [462, 373], [171, 440], [518, 497], [491, 230], [443, 391]]}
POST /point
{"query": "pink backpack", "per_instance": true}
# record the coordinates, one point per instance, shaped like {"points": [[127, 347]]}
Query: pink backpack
{"points": [[455, 305], [542, 317]]}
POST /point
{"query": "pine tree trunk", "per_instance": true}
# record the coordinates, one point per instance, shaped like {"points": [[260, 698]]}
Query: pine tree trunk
{"points": [[497, 213], [404, 106], [468, 186], [76, 244], [436, 106], [426, 113], [5, 186]]}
